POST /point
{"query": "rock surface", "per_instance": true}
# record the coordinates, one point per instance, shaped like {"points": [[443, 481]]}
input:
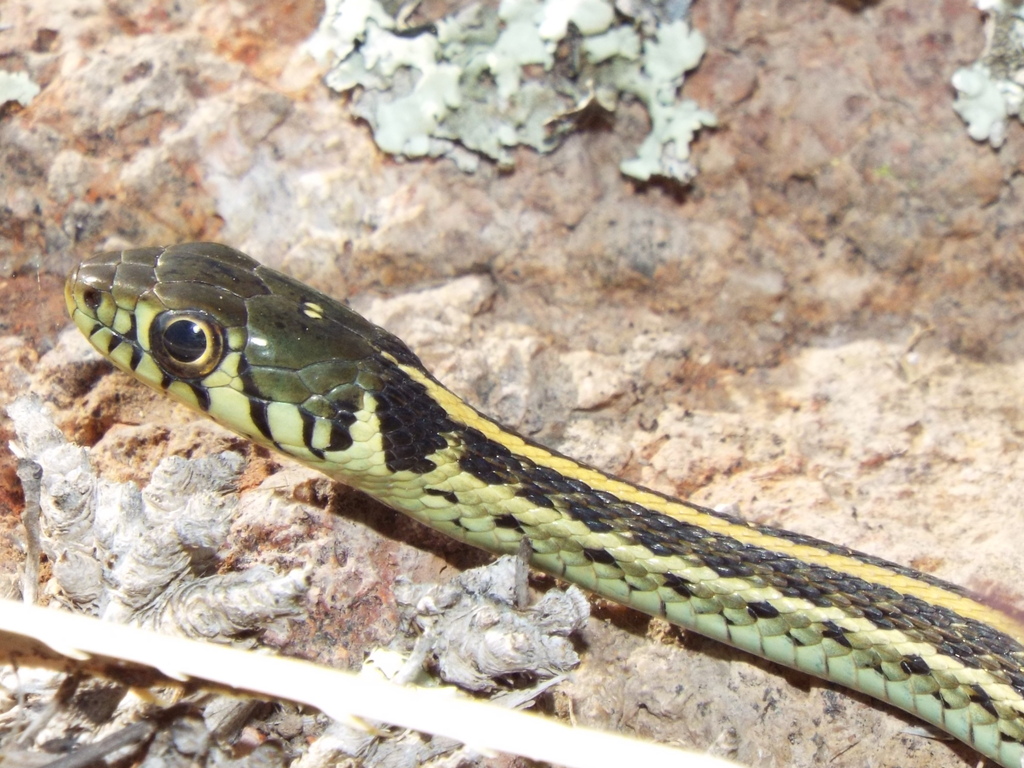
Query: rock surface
{"points": [[826, 329]]}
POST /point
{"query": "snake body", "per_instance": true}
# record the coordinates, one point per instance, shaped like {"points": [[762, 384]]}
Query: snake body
{"points": [[283, 365]]}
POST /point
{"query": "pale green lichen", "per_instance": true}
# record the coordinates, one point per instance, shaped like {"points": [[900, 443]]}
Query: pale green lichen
{"points": [[404, 125], [343, 25], [518, 44], [666, 150], [981, 104], [989, 91], [481, 83], [623, 42], [17, 86], [590, 17]]}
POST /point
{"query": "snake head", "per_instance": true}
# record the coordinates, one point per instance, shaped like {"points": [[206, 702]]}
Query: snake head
{"points": [[263, 354]]}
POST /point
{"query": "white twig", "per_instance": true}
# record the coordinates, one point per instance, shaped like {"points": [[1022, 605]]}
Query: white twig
{"points": [[51, 638]]}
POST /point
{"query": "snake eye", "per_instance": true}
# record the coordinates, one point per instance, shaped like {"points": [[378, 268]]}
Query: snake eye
{"points": [[187, 344]]}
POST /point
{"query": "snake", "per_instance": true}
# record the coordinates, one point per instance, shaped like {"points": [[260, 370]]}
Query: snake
{"points": [[290, 368]]}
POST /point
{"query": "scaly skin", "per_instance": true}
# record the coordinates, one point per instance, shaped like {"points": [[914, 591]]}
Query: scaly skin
{"points": [[287, 367]]}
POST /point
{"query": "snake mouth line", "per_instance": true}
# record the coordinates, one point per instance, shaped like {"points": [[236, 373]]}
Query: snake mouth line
{"points": [[107, 340]]}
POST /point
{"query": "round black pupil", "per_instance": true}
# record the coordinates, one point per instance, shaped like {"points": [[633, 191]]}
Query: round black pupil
{"points": [[185, 341]]}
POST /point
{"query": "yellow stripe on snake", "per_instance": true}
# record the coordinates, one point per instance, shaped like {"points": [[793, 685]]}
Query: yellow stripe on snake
{"points": [[287, 367]]}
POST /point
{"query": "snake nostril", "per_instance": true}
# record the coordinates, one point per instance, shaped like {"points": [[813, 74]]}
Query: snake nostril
{"points": [[92, 298]]}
